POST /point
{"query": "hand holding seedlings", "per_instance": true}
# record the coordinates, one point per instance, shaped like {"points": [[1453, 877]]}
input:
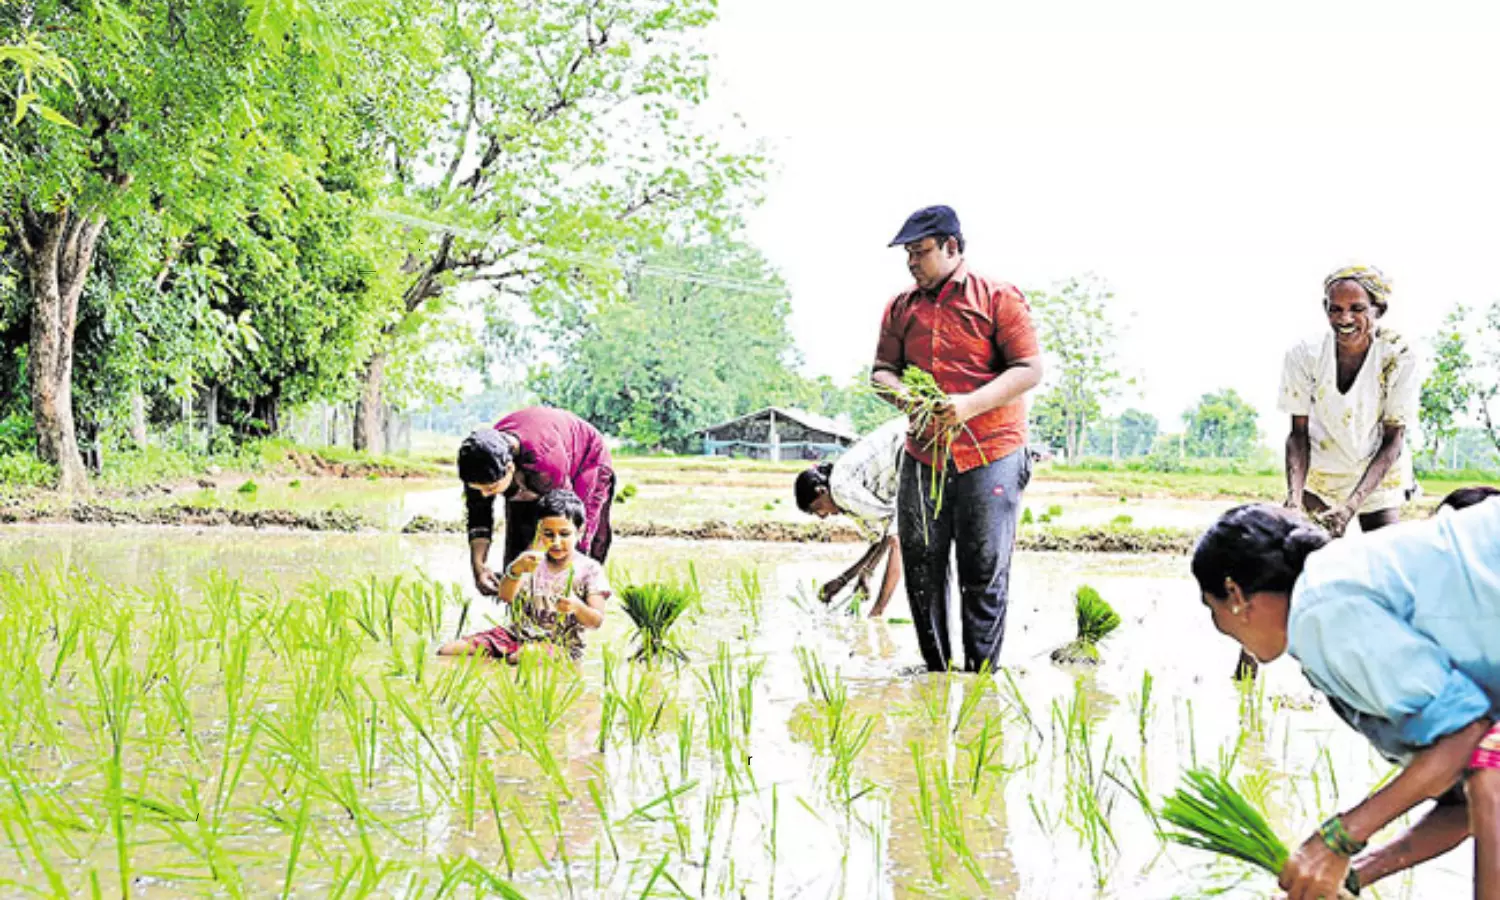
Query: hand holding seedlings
{"points": [[1314, 871], [955, 411]]}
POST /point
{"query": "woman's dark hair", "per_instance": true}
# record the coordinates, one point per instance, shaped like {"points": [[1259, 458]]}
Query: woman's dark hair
{"points": [[1262, 547], [483, 457], [808, 483], [561, 503], [1463, 498]]}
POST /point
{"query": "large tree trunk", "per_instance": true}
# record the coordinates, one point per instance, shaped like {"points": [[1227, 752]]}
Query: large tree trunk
{"points": [[369, 427], [138, 418], [59, 249]]}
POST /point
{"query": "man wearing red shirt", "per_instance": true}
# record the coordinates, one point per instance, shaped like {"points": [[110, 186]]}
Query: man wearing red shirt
{"points": [[974, 336]]}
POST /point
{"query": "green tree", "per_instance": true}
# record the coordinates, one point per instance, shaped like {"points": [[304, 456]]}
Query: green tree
{"points": [[1077, 333], [1048, 419], [1484, 378], [566, 135], [1448, 389], [187, 121], [1127, 435], [1223, 424], [675, 354]]}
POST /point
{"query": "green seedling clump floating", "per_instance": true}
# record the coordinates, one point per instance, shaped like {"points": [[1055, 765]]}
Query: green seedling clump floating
{"points": [[1096, 621], [1210, 814], [655, 608]]}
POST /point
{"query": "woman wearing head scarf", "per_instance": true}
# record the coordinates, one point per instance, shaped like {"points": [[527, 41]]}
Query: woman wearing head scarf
{"points": [[528, 453], [1351, 393], [1401, 631]]}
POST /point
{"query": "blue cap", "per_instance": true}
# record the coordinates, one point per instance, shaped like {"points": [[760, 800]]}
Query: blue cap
{"points": [[933, 220]]}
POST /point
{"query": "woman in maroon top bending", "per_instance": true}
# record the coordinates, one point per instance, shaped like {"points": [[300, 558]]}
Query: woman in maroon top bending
{"points": [[528, 453]]}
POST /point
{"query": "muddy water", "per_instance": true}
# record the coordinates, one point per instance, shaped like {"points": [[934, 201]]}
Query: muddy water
{"points": [[1023, 840]]}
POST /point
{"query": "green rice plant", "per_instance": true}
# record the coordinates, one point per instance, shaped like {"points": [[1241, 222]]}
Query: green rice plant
{"points": [[1122, 521], [984, 754], [654, 608], [1208, 813], [942, 818], [1142, 703], [924, 399], [249, 487], [728, 714], [685, 731], [530, 705], [747, 593], [838, 732], [1096, 621], [1054, 511], [641, 700], [1026, 517]]}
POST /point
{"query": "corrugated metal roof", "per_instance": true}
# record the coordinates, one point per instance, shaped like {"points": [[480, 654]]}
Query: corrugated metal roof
{"points": [[801, 416]]}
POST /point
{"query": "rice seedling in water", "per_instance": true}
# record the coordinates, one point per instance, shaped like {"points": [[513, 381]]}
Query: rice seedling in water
{"points": [[654, 608], [1208, 813], [942, 818], [1096, 620], [728, 710], [838, 731], [747, 593]]}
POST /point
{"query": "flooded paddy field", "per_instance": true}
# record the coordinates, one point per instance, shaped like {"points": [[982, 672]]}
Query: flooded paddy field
{"points": [[244, 713]]}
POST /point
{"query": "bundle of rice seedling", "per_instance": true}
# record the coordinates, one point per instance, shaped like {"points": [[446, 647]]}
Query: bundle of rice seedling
{"points": [[924, 399], [655, 608], [1210, 814], [1096, 620]]}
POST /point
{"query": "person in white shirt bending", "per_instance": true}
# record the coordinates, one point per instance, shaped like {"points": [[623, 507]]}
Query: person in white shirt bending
{"points": [[862, 484]]}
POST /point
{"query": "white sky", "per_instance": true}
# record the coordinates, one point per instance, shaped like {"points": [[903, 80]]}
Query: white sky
{"points": [[1211, 161]]}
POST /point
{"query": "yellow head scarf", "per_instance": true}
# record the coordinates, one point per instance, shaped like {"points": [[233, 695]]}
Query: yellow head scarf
{"points": [[1368, 277]]}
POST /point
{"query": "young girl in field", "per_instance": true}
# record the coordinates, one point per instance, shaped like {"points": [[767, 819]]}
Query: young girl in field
{"points": [[553, 591]]}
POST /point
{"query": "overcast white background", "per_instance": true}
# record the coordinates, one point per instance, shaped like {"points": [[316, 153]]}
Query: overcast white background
{"points": [[1212, 161]]}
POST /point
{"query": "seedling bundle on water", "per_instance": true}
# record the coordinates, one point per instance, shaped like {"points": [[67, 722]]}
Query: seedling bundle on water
{"points": [[1096, 620], [655, 608], [1211, 815]]}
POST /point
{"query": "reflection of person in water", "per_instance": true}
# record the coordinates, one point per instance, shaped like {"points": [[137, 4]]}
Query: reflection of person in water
{"points": [[862, 484], [1401, 630]]}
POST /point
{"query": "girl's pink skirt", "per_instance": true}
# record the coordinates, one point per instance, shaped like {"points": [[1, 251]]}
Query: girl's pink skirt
{"points": [[498, 642]]}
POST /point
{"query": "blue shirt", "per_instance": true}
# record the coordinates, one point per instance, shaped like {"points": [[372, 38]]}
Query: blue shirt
{"points": [[1401, 628]]}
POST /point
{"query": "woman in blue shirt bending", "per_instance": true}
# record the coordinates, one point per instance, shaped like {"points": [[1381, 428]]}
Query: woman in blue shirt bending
{"points": [[1401, 630]]}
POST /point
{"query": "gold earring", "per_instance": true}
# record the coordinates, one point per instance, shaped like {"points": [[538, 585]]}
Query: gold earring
{"points": [[1235, 610]]}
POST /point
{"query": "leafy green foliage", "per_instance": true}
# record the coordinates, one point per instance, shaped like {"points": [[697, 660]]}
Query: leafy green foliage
{"points": [[672, 356], [1447, 391], [1223, 425]]}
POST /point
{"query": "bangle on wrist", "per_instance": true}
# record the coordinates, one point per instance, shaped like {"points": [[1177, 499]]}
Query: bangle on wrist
{"points": [[510, 575], [1338, 838]]}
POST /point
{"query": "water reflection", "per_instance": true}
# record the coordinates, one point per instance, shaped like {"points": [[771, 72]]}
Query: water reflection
{"points": [[1016, 820]]}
